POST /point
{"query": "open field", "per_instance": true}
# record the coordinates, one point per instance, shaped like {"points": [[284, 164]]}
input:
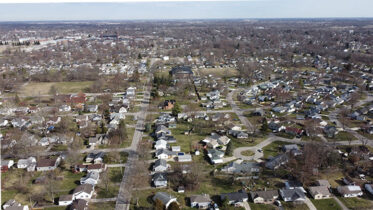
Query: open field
{"points": [[356, 203], [326, 204], [255, 206], [273, 149], [218, 72], [43, 88]]}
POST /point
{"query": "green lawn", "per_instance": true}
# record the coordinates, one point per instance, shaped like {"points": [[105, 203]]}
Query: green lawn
{"points": [[43, 88], [185, 141], [115, 174], [293, 206], [356, 203], [273, 149], [110, 193], [343, 136], [248, 153], [326, 204], [255, 206]]}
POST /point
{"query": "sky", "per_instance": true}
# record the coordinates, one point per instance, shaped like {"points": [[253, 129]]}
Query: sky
{"points": [[28, 10]]}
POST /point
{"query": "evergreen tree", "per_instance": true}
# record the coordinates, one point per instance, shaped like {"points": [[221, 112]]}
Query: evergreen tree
{"points": [[264, 127], [229, 150], [176, 110]]}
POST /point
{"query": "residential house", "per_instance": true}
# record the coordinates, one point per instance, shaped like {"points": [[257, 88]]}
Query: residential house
{"points": [[165, 154], [91, 178], [165, 198], [277, 161], [160, 165], [160, 144], [349, 191], [96, 168], [159, 180], [79, 204], [83, 191], [369, 188], [264, 197], [64, 108], [330, 131], [48, 164], [29, 163], [200, 201], [14, 205], [95, 157], [65, 200], [292, 184], [131, 92], [91, 108], [235, 197], [244, 167], [293, 195], [215, 156], [319, 192]]}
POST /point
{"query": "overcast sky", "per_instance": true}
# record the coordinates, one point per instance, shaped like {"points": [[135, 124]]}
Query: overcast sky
{"points": [[165, 9]]}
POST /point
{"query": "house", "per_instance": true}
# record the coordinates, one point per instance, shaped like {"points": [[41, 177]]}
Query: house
{"points": [[165, 198], [277, 161], [164, 154], [161, 129], [83, 191], [64, 108], [79, 204], [160, 165], [184, 158], [65, 200], [215, 156], [92, 178], [264, 197], [14, 205], [91, 108], [330, 131], [175, 148], [100, 167], [369, 188], [235, 197], [159, 180], [131, 92], [97, 140], [319, 192], [245, 167], [29, 163], [160, 144], [292, 184], [54, 120], [47, 164], [200, 201], [95, 157], [239, 134], [181, 72], [349, 191], [322, 182], [4, 122], [290, 147], [293, 195]]}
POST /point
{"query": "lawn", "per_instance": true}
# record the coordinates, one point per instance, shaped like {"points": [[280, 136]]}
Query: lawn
{"points": [[255, 206], [273, 149], [292, 206], [356, 203], [248, 153], [326, 204], [116, 174], [100, 206], [343, 136], [219, 72], [43, 88], [185, 141], [111, 192]]}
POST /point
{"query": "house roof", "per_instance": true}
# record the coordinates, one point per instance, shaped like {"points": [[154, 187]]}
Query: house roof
{"points": [[349, 189], [79, 204], [87, 188], [292, 194], [323, 182], [319, 190], [268, 194], [66, 197], [181, 70], [236, 196], [160, 162], [205, 198], [46, 163], [163, 197]]}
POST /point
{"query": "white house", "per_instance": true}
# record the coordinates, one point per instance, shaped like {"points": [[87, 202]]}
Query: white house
{"points": [[84, 191], [65, 200], [91, 178], [349, 191], [160, 144]]}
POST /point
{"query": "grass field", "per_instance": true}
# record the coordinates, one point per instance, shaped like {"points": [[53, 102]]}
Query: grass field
{"points": [[248, 153], [43, 88], [356, 203], [292, 206], [100, 206], [273, 148], [255, 206], [218, 72], [326, 204]]}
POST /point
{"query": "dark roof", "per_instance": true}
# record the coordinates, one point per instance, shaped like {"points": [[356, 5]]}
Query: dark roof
{"points": [[234, 196], [46, 163], [88, 188], [79, 204], [181, 70], [268, 194]]}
